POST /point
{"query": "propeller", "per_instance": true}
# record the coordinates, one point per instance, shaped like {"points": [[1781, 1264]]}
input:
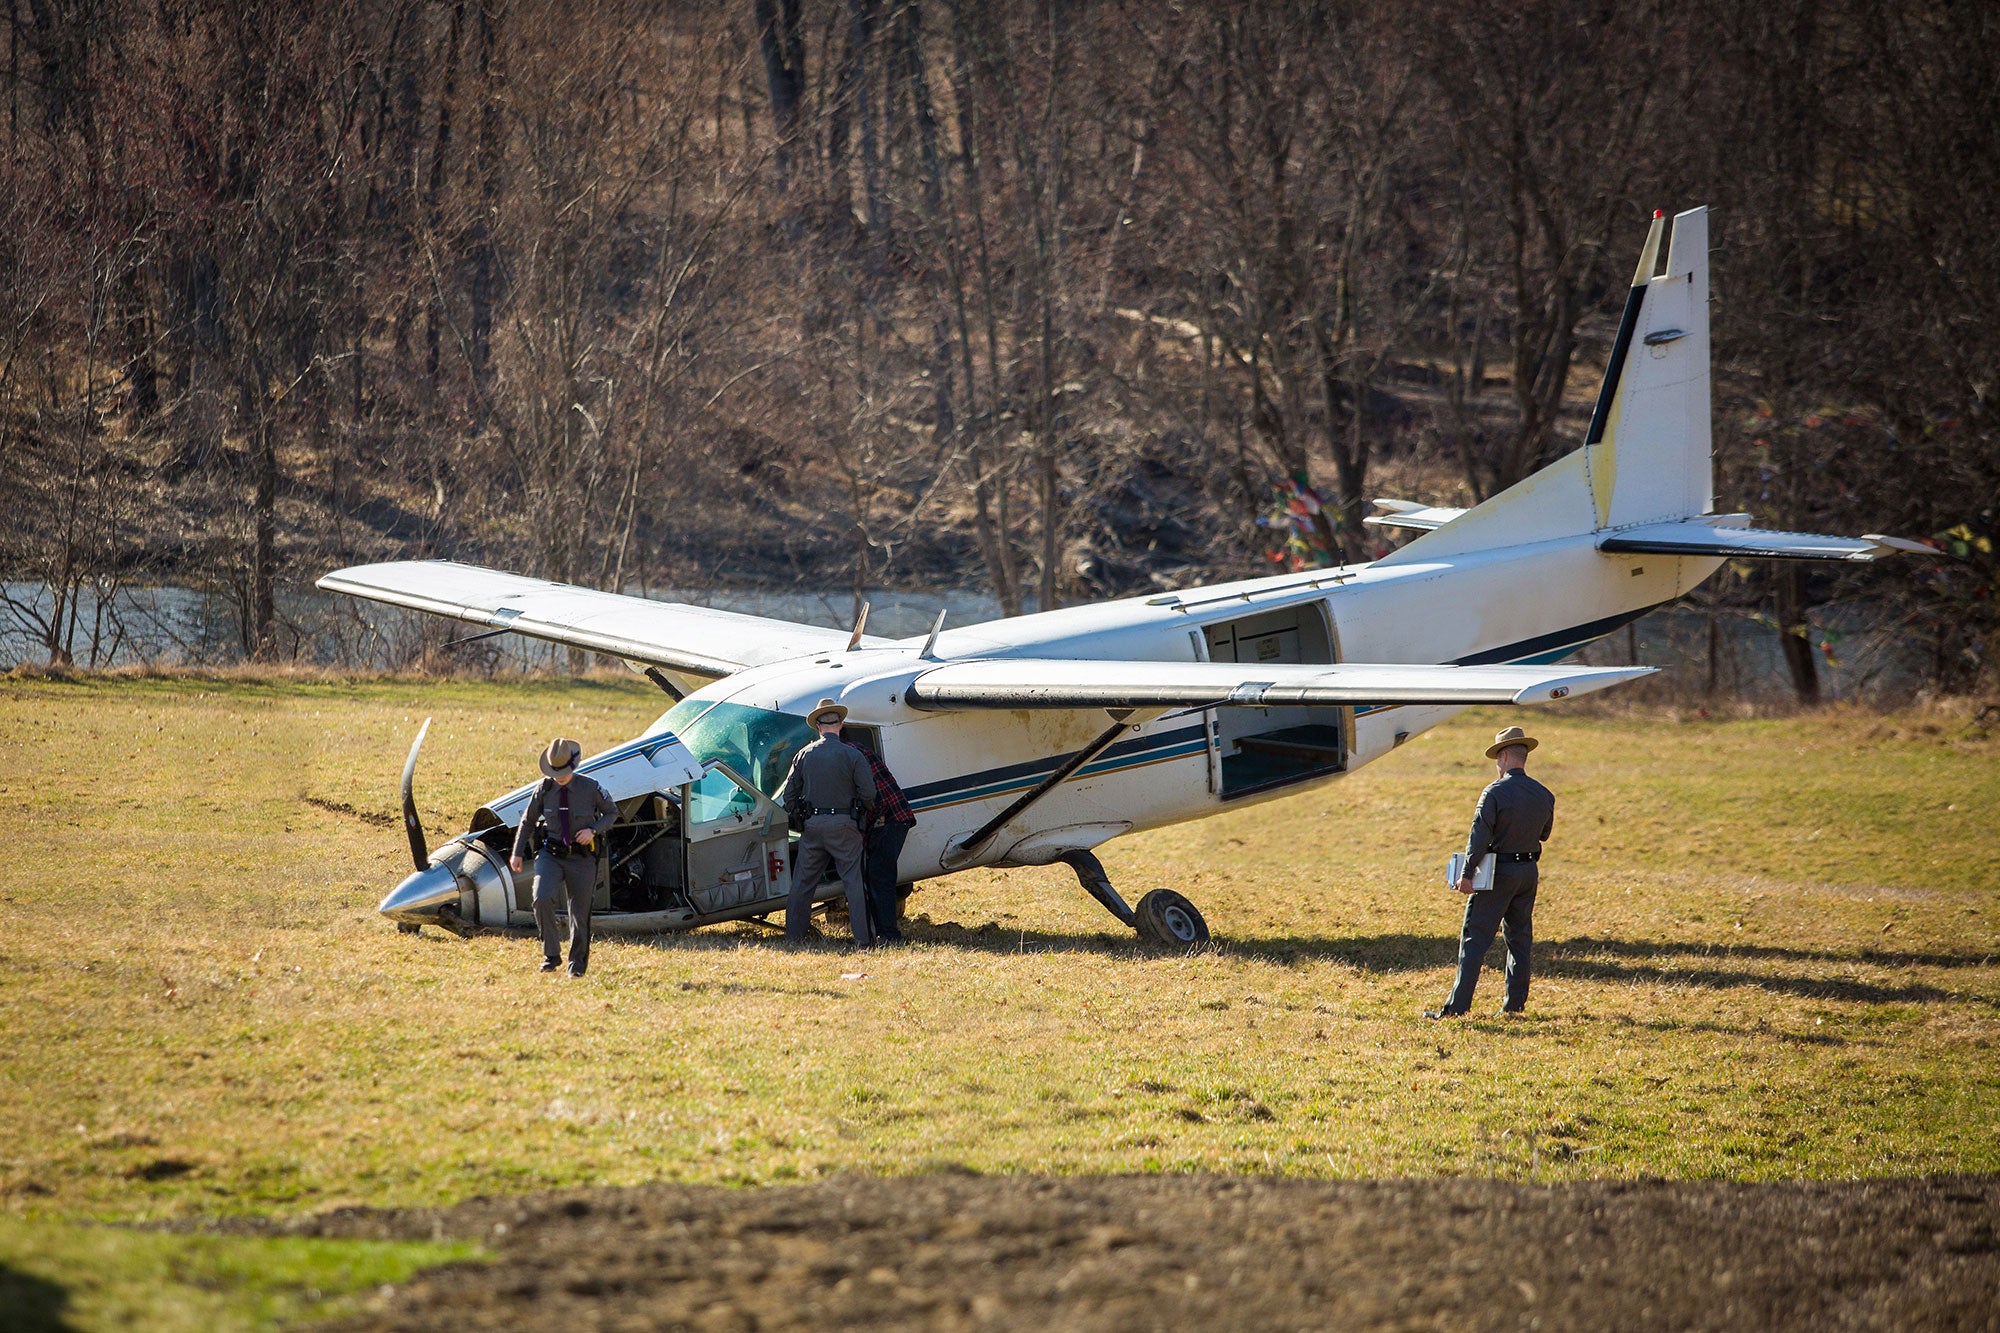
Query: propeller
{"points": [[411, 824]]}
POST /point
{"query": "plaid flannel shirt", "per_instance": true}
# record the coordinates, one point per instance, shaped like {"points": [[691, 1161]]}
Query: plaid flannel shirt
{"points": [[891, 806]]}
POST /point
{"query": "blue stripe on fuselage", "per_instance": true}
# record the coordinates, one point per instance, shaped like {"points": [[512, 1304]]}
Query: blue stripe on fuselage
{"points": [[1019, 777], [1182, 742]]}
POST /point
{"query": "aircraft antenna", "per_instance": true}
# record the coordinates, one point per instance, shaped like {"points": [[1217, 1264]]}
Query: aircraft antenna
{"points": [[860, 622], [931, 642]]}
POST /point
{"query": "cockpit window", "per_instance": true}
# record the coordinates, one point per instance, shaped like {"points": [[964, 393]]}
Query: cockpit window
{"points": [[756, 742], [716, 797], [681, 716]]}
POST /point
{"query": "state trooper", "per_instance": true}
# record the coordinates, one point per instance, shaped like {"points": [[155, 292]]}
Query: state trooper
{"points": [[1515, 817], [831, 788], [566, 819]]}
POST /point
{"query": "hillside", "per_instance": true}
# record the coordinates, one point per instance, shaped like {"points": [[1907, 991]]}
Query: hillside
{"points": [[854, 295]]}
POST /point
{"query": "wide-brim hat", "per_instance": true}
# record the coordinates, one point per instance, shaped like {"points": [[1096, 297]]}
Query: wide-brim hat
{"points": [[559, 760], [827, 711], [1511, 736]]}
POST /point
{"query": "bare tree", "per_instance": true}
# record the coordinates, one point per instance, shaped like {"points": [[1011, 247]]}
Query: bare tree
{"points": [[1546, 110]]}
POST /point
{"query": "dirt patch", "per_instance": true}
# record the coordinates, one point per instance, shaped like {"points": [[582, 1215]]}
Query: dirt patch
{"points": [[374, 818], [952, 1251]]}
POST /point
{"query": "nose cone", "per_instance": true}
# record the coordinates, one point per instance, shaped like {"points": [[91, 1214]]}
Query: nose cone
{"points": [[422, 897]]}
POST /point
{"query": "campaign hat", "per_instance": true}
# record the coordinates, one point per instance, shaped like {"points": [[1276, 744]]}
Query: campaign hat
{"points": [[1511, 736], [827, 711], [559, 760]]}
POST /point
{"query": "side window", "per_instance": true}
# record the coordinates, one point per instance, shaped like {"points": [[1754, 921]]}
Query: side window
{"points": [[717, 797]]}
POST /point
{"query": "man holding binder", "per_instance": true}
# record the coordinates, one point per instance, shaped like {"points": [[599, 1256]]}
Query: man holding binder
{"points": [[1516, 815]]}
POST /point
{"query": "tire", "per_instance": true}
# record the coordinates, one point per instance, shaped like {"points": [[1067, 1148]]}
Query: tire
{"points": [[408, 928], [1166, 919]]}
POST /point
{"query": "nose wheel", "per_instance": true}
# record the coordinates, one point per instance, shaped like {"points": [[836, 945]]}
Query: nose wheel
{"points": [[1164, 919]]}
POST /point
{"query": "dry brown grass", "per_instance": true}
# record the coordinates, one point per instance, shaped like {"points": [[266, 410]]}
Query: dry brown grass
{"points": [[1769, 948]]}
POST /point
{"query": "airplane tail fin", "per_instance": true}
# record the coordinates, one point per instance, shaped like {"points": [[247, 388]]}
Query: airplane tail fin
{"points": [[1646, 457], [1649, 448]]}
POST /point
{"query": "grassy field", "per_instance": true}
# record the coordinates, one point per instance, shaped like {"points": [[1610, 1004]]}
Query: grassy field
{"points": [[1766, 949]]}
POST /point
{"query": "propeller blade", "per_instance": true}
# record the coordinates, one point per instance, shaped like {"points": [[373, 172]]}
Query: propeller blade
{"points": [[413, 826]]}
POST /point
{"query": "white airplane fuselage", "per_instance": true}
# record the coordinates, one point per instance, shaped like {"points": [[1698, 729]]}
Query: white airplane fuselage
{"points": [[1524, 604]]}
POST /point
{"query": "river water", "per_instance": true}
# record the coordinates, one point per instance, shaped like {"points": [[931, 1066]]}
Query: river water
{"points": [[170, 625]]}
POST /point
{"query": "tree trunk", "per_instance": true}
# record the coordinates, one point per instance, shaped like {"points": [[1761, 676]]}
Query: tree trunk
{"points": [[1793, 637], [482, 291], [784, 55], [861, 32], [263, 509], [263, 597], [142, 377], [433, 197]]}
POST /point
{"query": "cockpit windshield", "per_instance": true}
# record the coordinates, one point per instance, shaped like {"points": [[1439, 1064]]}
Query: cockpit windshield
{"points": [[756, 742]]}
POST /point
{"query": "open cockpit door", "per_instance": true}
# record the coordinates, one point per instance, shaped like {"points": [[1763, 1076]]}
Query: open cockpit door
{"points": [[736, 846]]}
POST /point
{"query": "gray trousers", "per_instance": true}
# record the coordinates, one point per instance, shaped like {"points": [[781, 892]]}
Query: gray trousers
{"points": [[828, 838], [565, 881], [1511, 900]]}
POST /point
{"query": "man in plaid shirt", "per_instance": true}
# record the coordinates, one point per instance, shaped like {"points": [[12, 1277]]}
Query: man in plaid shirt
{"points": [[885, 835]]}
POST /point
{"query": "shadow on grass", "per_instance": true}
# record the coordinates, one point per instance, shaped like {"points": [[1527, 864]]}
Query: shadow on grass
{"points": [[1770, 952], [1586, 958], [1594, 959], [29, 1304], [1717, 978]]}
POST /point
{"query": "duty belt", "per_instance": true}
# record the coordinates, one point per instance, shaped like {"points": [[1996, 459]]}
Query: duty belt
{"points": [[1516, 857], [830, 810], [555, 848]]}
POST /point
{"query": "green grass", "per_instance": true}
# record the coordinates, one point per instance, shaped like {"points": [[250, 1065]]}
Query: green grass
{"points": [[1767, 949], [64, 1275]]}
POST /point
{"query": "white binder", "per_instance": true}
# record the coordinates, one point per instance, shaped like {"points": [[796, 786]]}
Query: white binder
{"points": [[1482, 878]]}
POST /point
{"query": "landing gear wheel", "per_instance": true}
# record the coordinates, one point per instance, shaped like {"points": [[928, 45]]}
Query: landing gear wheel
{"points": [[1166, 919], [408, 928]]}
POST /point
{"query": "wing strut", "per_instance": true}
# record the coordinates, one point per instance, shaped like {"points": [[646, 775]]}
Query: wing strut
{"points": [[659, 678], [962, 851]]}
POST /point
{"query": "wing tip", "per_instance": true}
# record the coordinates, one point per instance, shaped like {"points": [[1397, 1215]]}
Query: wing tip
{"points": [[1579, 684], [1899, 545]]}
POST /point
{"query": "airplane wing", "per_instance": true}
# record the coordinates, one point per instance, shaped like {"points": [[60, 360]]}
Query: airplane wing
{"points": [[1696, 537], [1027, 682], [695, 639]]}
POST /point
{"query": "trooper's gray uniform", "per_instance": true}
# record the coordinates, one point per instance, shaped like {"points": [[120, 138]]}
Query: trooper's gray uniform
{"points": [[1516, 815], [829, 777], [565, 871]]}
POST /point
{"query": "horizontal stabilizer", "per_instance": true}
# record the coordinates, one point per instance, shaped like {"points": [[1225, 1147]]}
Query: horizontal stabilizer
{"points": [[1022, 682], [698, 640], [1698, 538], [1410, 515]]}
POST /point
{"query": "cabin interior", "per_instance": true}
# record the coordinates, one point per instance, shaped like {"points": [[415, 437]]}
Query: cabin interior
{"points": [[1261, 748]]}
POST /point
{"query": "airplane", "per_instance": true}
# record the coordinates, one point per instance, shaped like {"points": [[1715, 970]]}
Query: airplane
{"points": [[1038, 738]]}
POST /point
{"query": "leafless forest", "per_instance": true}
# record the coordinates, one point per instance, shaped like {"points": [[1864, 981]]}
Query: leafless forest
{"points": [[1055, 298]]}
